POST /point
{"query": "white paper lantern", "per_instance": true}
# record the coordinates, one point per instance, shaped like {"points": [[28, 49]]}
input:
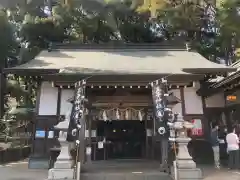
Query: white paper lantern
{"points": [[140, 115], [105, 116], [117, 115], [126, 115]]}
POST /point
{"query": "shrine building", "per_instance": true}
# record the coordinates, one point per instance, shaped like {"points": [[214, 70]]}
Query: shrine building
{"points": [[119, 95]]}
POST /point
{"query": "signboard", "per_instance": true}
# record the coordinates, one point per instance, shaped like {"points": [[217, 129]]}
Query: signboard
{"points": [[197, 129], [231, 98], [50, 134], [40, 134]]}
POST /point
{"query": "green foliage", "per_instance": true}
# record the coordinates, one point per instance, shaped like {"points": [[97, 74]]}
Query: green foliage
{"points": [[25, 30], [20, 112], [134, 27], [229, 29], [185, 16], [40, 31], [8, 45], [113, 23]]}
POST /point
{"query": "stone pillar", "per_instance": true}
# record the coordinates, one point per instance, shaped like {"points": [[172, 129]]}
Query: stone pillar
{"points": [[62, 167], [184, 166], [184, 160]]}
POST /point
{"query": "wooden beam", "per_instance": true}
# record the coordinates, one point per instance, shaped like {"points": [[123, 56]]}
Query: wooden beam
{"points": [[120, 79], [183, 101]]}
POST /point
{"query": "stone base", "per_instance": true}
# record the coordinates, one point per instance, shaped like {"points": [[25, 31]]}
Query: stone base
{"points": [[63, 164], [186, 164], [60, 174], [186, 174], [190, 174]]}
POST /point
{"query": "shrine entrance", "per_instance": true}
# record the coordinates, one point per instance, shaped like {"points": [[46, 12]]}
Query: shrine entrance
{"points": [[124, 139]]}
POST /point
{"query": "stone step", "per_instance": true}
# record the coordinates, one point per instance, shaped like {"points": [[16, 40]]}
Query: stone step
{"points": [[125, 176], [123, 170]]}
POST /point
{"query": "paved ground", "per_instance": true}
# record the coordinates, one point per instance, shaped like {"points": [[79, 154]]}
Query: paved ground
{"points": [[20, 171], [210, 173]]}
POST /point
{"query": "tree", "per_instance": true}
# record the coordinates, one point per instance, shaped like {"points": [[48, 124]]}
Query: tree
{"points": [[18, 92], [8, 50], [228, 30]]}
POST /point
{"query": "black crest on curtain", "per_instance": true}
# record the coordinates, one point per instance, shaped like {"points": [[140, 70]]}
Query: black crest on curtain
{"points": [[77, 110]]}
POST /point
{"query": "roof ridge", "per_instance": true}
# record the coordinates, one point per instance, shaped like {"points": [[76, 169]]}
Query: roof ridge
{"points": [[119, 49], [119, 45]]}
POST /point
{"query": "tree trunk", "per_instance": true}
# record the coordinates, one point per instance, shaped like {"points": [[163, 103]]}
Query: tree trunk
{"points": [[2, 93]]}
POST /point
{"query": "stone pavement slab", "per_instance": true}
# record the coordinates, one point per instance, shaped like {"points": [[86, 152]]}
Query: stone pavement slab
{"points": [[210, 173], [20, 171]]}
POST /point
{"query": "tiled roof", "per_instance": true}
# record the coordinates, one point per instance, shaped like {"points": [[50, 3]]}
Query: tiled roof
{"points": [[128, 60]]}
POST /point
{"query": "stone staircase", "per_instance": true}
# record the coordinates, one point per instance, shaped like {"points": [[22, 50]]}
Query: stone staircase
{"points": [[123, 170]]}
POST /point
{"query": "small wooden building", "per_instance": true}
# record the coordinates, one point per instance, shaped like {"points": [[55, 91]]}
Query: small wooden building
{"points": [[222, 97], [118, 79]]}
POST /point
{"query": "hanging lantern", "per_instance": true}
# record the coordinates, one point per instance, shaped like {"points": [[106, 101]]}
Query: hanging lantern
{"points": [[126, 115], [105, 116], [224, 119], [117, 114], [140, 115]]}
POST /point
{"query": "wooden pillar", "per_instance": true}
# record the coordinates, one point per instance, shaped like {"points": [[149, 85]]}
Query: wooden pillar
{"points": [[89, 138], [82, 146], [153, 136], [146, 128], [94, 139]]}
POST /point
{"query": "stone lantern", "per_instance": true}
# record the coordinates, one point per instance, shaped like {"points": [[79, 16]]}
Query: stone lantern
{"points": [[62, 167], [184, 166]]}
